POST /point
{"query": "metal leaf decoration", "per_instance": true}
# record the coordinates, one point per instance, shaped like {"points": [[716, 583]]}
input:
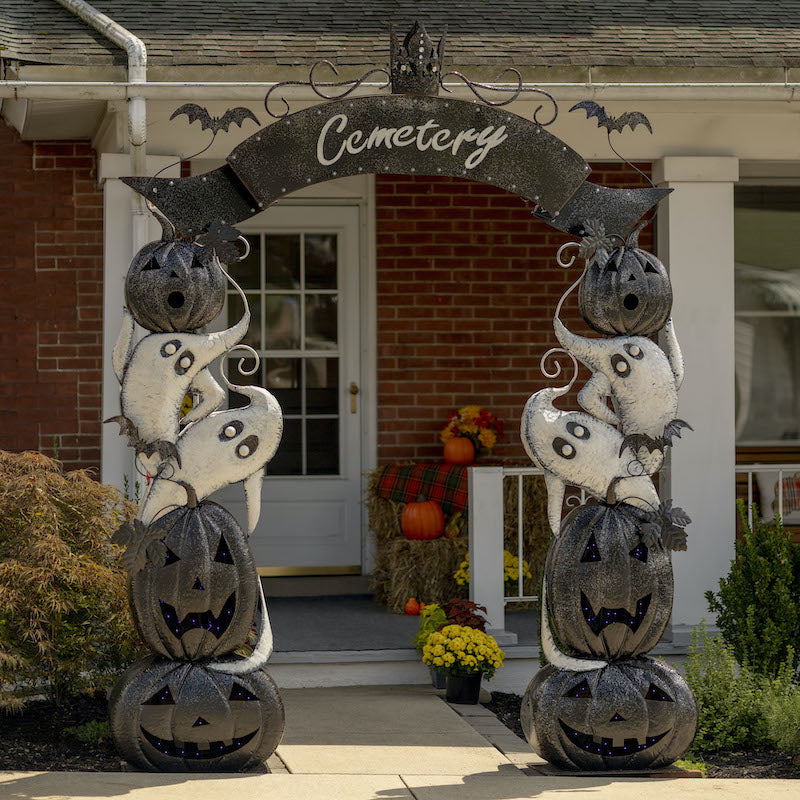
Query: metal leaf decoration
{"points": [[143, 543], [595, 238], [222, 238]]}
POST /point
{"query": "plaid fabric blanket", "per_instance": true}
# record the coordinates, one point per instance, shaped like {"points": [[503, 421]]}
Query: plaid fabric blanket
{"points": [[444, 483], [791, 494]]}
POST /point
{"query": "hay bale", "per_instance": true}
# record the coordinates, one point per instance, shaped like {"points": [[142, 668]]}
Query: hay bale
{"points": [[421, 569]]}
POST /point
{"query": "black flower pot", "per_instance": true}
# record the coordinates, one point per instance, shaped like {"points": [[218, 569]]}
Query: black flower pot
{"points": [[438, 679], [465, 689]]}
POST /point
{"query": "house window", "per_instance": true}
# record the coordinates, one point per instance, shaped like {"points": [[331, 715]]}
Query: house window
{"points": [[291, 284], [767, 332]]}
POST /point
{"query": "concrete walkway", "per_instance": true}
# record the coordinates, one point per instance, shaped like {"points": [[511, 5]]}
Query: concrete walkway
{"points": [[384, 743]]}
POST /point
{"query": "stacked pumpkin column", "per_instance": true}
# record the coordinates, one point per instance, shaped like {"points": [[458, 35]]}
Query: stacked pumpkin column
{"points": [[601, 703], [194, 704]]}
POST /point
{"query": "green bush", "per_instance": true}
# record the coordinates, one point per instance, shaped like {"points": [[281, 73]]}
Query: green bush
{"points": [[781, 706], [64, 619], [729, 698], [92, 732], [758, 604]]}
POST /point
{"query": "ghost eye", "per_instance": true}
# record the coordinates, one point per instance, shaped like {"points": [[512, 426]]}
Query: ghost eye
{"points": [[247, 446], [639, 552], [184, 363], [238, 692], [577, 430], [170, 558], [620, 365], [231, 430], [582, 690], [654, 693], [163, 697], [223, 552], [563, 448], [591, 552], [634, 351], [171, 347]]}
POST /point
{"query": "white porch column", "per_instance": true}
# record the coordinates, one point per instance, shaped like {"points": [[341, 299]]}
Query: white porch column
{"points": [[117, 459], [695, 241], [485, 516]]}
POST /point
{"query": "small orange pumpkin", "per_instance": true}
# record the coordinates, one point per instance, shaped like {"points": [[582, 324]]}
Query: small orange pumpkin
{"points": [[459, 450], [423, 519], [413, 607]]}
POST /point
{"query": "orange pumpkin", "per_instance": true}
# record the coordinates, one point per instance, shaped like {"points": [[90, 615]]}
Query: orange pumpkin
{"points": [[459, 450], [413, 607], [423, 519]]}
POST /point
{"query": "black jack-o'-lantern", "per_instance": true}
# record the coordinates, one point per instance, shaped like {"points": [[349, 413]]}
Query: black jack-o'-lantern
{"points": [[634, 714], [181, 717], [625, 291], [199, 602], [174, 285], [609, 595]]}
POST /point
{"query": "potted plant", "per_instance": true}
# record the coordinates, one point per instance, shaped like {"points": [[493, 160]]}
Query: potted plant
{"points": [[510, 572], [468, 431], [431, 618], [465, 655]]}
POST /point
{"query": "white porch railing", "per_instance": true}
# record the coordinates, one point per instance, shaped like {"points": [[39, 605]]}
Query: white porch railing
{"points": [[774, 483], [486, 569]]}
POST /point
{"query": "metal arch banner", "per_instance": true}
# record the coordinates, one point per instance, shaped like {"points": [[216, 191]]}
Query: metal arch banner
{"points": [[400, 134]]}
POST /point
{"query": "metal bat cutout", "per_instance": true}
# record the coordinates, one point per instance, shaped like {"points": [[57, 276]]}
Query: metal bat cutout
{"points": [[629, 118], [643, 381], [215, 124], [225, 447], [157, 373], [575, 448]]}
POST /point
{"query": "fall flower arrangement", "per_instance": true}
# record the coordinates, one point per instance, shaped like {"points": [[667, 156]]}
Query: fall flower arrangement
{"points": [[459, 650], [510, 570], [477, 424]]}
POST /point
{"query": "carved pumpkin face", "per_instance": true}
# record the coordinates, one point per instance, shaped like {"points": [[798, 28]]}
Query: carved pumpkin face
{"points": [[626, 291], [634, 714], [201, 601], [174, 286], [609, 595], [181, 717]]}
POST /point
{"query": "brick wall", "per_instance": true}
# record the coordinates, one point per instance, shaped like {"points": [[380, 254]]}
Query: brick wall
{"points": [[467, 286], [51, 297]]}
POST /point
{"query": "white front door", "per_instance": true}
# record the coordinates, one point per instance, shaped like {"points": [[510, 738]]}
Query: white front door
{"points": [[302, 283]]}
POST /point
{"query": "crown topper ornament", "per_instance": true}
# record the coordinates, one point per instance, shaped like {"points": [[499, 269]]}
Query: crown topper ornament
{"points": [[415, 65]]}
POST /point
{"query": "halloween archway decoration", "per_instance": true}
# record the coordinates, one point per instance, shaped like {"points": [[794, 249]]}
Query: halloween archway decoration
{"points": [[195, 705]]}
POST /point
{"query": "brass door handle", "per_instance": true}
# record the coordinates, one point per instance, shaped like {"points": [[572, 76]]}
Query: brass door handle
{"points": [[353, 401]]}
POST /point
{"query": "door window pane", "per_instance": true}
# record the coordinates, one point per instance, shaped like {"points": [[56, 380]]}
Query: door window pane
{"points": [[322, 385], [320, 253], [767, 332], [282, 378], [235, 312], [282, 322], [321, 322], [282, 261], [288, 459], [247, 273], [323, 447]]}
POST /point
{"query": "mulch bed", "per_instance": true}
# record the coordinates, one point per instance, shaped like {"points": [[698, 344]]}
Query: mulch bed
{"points": [[751, 764], [35, 740]]}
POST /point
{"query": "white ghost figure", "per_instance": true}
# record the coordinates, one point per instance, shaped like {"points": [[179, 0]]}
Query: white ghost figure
{"points": [[643, 382], [157, 372], [576, 448], [223, 448]]}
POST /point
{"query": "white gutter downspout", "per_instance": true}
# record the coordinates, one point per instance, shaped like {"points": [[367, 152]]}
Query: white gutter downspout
{"points": [[137, 108]]}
